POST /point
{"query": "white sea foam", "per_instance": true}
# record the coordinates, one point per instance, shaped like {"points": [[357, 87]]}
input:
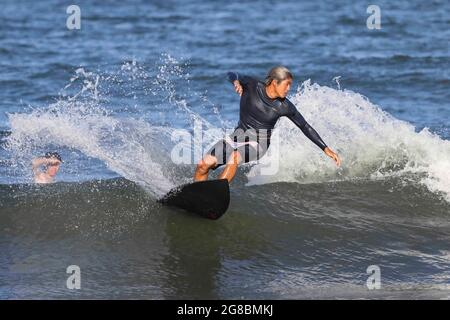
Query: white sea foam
{"points": [[130, 146], [125, 146], [371, 143]]}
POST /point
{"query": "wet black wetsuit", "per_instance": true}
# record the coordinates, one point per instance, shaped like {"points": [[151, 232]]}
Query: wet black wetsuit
{"points": [[258, 116]]}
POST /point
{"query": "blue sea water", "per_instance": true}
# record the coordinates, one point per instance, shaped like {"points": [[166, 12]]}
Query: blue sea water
{"points": [[109, 96]]}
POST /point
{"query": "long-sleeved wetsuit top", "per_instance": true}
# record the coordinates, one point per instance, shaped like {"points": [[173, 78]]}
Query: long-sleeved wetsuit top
{"points": [[259, 111]]}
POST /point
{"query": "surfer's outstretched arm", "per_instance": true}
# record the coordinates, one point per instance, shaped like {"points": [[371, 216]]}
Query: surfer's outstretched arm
{"points": [[309, 132]]}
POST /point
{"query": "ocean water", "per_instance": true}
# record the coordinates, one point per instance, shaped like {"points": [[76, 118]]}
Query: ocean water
{"points": [[116, 98]]}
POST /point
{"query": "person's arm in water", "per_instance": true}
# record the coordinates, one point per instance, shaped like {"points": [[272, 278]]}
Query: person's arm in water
{"points": [[309, 132], [38, 162], [239, 81]]}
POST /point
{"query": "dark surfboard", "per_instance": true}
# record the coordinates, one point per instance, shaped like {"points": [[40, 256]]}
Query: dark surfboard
{"points": [[209, 199]]}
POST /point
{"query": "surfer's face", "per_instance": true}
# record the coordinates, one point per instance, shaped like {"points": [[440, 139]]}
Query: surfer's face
{"points": [[283, 87]]}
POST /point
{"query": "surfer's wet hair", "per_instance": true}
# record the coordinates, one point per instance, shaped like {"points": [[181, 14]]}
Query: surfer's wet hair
{"points": [[278, 73], [56, 155]]}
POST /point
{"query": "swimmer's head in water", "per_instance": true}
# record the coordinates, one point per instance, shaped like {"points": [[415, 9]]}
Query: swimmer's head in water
{"points": [[52, 168], [280, 79]]}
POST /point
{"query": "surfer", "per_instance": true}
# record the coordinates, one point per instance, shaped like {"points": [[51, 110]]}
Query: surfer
{"points": [[261, 105], [51, 162]]}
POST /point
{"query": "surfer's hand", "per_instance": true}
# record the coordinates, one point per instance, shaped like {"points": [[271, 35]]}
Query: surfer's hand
{"points": [[333, 156], [237, 87]]}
